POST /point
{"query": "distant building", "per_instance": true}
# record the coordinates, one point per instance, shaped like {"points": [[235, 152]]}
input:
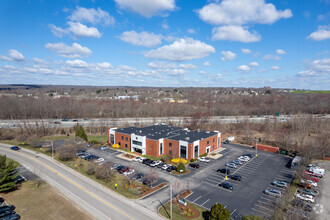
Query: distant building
{"points": [[160, 139]]}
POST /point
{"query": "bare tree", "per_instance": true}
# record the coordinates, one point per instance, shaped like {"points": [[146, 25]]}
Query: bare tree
{"points": [[152, 176]]}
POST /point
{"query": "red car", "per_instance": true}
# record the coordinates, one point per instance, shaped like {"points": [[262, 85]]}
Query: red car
{"points": [[123, 170]]}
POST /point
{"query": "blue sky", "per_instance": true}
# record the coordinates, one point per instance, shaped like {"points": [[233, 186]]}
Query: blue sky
{"points": [[176, 43]]}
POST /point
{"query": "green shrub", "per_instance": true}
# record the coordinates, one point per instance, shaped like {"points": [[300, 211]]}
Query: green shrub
{"points": [[94, 142], [203, 155], [192, 160], [181, 166]]}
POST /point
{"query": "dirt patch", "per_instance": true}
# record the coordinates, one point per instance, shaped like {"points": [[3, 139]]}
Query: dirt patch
{"points": [[142, 191], [188, 211]]}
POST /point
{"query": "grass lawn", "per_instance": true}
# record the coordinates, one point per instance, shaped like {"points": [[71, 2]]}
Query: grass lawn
{"points": [[99, 138], [54, 138], [16, 164], [82, 166], [165, 211], [312, 91], [43, 202]]}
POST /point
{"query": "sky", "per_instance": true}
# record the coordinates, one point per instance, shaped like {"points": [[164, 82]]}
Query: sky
{"points": [[166, 43]]}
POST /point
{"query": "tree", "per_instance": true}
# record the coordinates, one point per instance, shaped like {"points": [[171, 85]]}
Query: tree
{"points": [[7, 175], [180, 167], [80, 132], [66, 152], [219, 212], [152, 176]]}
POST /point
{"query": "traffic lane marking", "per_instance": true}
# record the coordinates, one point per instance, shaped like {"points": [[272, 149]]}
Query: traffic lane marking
{"points": [[92, 194]]}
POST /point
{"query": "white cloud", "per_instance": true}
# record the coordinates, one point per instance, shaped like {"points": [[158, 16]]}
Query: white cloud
{"points": [[104, 65], [165, 25], [76, 63], [191, 31], [14, 55], [280, 51], [181, 50], [235, 33], [147, 8], [238, 12], [202, 72], [246, 51], [126, 67], [144, 38], [243, 68], [92, 16], [218, 76], [39, 61], [275, 67], [161, 65], [253, 64], [322, 33], [228, 55], [57, 31], [207, 63], [317, 68], [271, 57], [81, 30], [74, 51]]}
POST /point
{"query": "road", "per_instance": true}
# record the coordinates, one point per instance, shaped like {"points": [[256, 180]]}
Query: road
{"points": [[99, 201], [113, 122]]}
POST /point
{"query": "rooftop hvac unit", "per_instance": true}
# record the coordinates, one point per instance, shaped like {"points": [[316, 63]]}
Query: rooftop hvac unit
{"points": [[187, 138]]}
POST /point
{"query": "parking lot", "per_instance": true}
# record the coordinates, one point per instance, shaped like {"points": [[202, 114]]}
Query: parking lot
{"points": [[247, 197]]}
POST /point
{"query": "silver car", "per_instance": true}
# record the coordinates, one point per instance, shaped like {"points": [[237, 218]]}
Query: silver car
{"points": [[281, 184], [273, 192], [231, 165]]}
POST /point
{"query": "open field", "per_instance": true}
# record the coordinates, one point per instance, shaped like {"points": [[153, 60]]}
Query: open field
{"points": [[99, 138], [43, 202], [312, 91]]}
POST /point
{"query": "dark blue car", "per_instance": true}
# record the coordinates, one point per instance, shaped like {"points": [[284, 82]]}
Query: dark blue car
{"points": [[15, 148]]}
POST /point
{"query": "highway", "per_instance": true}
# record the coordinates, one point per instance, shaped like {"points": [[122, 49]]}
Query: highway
{"points": [[94, 198], [113, 122]]}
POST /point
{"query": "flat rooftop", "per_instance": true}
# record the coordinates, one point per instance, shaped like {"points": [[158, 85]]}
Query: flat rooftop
{"points": [[159, 131]]}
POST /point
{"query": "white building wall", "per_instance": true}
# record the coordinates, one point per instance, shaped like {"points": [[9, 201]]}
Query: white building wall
{"points": [[160, 141], [219, 138], [142, 139], [183, 143], [194, 144], [112, 132]]}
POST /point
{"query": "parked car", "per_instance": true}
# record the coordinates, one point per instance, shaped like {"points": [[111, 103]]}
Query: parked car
{"points": [[65, 119], [224, 171], [83, 156], [160, 165], [90, 144], [203, 159], [237, 162], [247, 155], [138, 159], [123, 170], [307, 192], [273, 192], [6, 212], [314, 184], [15, 148], [194, 165], [11, 207], [138, 176], [171, 168], [165, 166], [243, 159], [19, 179], [1, 199], [226, 142], [80, 153], [231, 165], [235, 177], [11, 217], [155, 163], [226, 186], [129, 172], [99, 160], [147, 182], [281, 184], [147, 161], [305, 197], [104, 147]]}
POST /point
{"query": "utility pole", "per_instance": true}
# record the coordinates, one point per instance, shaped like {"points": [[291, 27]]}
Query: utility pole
{"points": [[256, 146], [171, 199], [226, 178]]}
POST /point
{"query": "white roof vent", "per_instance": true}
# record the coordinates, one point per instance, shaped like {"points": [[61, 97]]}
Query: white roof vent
{"points": [[187, 138], [207, 132], [140, 131]]}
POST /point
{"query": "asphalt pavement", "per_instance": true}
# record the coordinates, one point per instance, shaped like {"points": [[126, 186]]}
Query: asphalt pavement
{"points": [[99, 201]]}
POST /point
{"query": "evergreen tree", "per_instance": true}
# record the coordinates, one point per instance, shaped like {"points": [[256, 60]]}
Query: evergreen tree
{"points": [[219, 212], [7, 175], [80, 132]]}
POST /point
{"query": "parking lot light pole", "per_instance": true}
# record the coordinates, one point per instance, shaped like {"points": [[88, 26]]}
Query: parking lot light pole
{"points": [[226, 177], [256, 147]]}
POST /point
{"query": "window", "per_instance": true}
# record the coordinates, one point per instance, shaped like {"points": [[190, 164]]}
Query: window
{"points": [[213, 140], [196, 151], [122, 137], [170, 144], [218, 141], [208, 142], [213, 147], [119, 143], [183, 151], [170, 153], [127, 139], [139, 143], [161, 148], [126, 145]]}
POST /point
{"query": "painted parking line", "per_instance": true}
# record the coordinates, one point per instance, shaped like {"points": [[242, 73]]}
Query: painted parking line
{"points": [[197, 199], [205, 202], [268, 198], [265, 213], [260, 206], [266, 203]]}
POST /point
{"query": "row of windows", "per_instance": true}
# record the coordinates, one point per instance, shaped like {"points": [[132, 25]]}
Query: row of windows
{"points": [[122, 137]]}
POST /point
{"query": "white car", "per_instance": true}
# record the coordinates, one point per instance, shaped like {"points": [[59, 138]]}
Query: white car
{"points": [[138, 159], [165, 166], [129, 172], [155, 163], [203, 159], [312, 183], [243, 158], [99, 160], [305, 197], [104, 147]]}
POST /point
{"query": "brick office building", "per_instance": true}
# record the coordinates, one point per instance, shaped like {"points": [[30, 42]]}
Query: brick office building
{"points": [[160, 139]]}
